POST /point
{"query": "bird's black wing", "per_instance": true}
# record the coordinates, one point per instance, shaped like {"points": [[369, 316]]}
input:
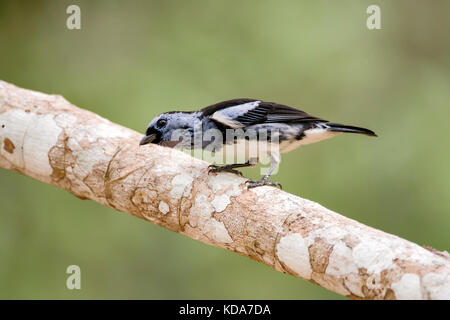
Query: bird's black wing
{"points": [[238, 113]]}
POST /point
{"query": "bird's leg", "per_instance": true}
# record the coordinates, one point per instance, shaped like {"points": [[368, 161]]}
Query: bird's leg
{"points": [[231, 167], [263, 182], [226, 168], [275, 160]]}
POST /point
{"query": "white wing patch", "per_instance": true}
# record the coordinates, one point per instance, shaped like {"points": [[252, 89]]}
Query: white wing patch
{"points": [[222, 118], [229, 115]]}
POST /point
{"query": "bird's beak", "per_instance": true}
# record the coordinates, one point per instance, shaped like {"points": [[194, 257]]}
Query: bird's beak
{"points": [[148, 139]]}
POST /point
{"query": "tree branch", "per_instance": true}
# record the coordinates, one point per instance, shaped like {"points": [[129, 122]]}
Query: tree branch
{"points": [[49, 139]]}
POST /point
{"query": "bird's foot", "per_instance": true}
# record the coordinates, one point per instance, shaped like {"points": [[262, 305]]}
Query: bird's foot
{"points": [[262, 182], [214, 169]]}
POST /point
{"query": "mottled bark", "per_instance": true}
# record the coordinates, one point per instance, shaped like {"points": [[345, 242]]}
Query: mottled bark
{"points": [[47, 138]]}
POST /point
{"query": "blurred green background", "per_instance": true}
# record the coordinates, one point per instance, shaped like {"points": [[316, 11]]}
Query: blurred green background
{"points": [[132, 60]]}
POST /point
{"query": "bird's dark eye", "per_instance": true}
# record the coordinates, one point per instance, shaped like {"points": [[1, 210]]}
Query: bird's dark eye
{"points": [[161, 123]]}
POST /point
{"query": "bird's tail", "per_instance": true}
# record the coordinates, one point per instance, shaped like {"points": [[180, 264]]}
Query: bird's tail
{"points": [[336, 127]]}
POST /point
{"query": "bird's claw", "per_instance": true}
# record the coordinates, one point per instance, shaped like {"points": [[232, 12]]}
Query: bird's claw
{"points": [[254, 184], [214, 169]]}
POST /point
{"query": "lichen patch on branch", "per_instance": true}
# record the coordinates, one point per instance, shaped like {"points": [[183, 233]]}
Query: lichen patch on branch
{"points": [[8, 145]]}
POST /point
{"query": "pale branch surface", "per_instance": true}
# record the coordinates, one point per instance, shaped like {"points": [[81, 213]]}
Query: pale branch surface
{"points": [[47, 138]]}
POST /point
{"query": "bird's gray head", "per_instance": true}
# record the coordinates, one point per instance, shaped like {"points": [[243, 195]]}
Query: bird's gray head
{"points": [[165, 129]]}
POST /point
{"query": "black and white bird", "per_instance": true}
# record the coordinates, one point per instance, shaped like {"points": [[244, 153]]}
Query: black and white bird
{"points": [[292, 128]]}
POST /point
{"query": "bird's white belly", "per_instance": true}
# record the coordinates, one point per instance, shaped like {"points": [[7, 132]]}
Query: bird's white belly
{"points": [[311, 136], [243, 150]]}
